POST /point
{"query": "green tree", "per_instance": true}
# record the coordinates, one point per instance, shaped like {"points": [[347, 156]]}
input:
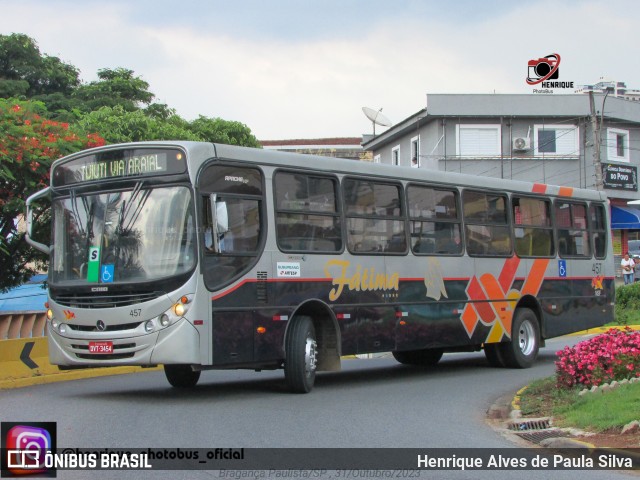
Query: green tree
{"points": [[117, 125], [115, 87], [24, 71], [159, 122], [223, 131], [29, 142]]}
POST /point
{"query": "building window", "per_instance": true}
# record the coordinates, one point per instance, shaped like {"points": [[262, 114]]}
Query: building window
{"points": [[556, 140], [395, 155], [415, 151], [478, 140], [618, 145], [376, 158]]}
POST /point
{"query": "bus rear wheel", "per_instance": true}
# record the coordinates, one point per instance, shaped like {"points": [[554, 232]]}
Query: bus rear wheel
{"points": [[181, 376], [301, 350], [522, 350], [425, 358]]}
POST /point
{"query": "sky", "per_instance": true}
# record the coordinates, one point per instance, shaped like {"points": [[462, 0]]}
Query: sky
{"points": [[304, 69]]}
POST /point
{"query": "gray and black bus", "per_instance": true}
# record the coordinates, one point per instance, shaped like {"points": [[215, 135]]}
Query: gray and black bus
{"points": [[201, 256]]}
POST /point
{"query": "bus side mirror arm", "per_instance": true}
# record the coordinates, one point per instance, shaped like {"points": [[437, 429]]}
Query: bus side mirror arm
{"points": [[213, 198], [29, 217]]}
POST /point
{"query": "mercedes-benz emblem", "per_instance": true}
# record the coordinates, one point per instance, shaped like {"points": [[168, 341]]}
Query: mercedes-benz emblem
{"points": [[101, 326]]}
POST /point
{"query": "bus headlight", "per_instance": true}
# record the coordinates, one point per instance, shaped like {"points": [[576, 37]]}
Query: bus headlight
{"points": [[62, 329], [149, 326], [50, 314], [55, 323], [176, 312], [182, 306]]}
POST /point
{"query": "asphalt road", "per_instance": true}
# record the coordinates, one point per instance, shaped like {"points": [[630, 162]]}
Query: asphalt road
{"points": [[372, 403]]}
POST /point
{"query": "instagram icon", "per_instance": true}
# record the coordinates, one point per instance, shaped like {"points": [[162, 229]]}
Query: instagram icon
{"points": [[24, 447]]}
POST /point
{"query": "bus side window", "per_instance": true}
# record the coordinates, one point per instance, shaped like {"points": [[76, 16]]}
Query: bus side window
{"points": [[486, 223], [598, 229], [532, 227], [572, 229], [434, 220], [375, 220], [308, 216]]}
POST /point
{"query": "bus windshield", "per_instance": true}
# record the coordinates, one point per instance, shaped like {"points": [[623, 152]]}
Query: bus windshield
{"points": [[139, 235]]}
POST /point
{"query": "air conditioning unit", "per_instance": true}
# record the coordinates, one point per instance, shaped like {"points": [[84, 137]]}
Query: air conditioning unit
{"points": [[521, 143]]}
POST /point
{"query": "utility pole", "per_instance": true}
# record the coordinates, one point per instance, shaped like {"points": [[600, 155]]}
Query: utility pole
{"points": [[595, 129]]}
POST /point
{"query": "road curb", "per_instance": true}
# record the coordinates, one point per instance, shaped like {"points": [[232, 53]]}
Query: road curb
{"points": [[557, 442], [595, 331], [64, 376]]}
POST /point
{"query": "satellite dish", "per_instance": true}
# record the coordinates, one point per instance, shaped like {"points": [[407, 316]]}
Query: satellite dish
{"points": [[376, 117]]}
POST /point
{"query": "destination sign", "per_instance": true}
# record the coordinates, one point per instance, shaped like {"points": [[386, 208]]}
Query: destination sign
{"points": [[138, 165], [114, 164]]}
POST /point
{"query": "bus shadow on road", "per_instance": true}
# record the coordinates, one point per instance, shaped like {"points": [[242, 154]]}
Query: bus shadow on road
{"points": [[226, 385]]}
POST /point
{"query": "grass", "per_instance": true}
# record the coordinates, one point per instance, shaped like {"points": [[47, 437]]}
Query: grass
{"points": [[628, 317], [595, 411]]}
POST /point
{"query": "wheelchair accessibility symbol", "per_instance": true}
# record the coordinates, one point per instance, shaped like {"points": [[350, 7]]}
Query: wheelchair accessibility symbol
{"points": [[562, 268], [106, 273]]}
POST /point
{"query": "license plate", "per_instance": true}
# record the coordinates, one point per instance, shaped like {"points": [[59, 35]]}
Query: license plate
{"points": [[101, 347]]}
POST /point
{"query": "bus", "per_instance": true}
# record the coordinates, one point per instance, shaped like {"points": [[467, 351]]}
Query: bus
{"points": [[201, 256]]}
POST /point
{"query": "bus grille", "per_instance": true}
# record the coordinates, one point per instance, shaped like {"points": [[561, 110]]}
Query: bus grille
{"points": [[113, 356], [109, 328], [105, 301], [261, 288]]}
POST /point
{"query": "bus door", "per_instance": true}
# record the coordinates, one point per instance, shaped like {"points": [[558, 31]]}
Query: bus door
{"points": [[232, 238]]}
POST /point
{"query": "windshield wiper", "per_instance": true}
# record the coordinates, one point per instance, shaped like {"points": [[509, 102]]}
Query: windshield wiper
{"points": [[125, 209], [75, 211]]}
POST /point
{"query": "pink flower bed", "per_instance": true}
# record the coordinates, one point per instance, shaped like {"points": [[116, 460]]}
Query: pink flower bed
{"points": [[614, 355]]}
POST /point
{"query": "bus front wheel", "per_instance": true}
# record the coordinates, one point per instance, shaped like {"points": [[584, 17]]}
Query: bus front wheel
{"points": [[523, 348], [301, 350], [181, 376]]}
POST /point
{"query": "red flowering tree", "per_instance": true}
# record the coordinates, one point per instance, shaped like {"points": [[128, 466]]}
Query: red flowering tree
{"points": [[29, 142]]}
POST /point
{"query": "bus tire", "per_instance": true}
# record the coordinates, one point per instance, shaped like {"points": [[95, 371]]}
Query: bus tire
{"points": [[493, 352], [301, 350], [181, 376], [423, 358], [523, 348]]}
